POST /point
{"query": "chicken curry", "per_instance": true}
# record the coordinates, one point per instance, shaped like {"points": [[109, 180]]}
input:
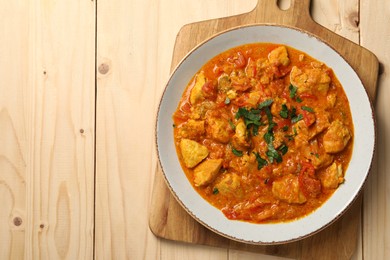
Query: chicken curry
{"points": [[264, 133]]}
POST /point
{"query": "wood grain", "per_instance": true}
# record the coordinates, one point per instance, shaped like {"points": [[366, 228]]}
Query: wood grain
{"points": [[47, 96], [167, 213], [376, 228], [47, 125]]}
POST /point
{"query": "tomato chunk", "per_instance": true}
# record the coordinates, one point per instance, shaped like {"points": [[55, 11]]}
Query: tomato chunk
{"points": [[308, 182]]}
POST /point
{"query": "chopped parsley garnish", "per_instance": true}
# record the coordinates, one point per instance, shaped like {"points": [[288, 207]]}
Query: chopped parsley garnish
{"points": [[293, 90], [251, 118], [271, 153], [308, 109], [296, 118], [236, 152], [260, 161], [215, 191], [283, 149], [269, 137], [293, 93], [232, 125], [284, 112], [274, 155], [265, 103], [271, 123], [285, 128], [293, 112]]}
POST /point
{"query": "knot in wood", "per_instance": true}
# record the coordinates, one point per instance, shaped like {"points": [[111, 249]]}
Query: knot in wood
{"points": [[103, 68], [17, 221], [354, 19]]}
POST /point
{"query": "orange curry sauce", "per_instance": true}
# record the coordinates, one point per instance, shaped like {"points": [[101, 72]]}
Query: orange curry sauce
{"points": [[264, 133]]}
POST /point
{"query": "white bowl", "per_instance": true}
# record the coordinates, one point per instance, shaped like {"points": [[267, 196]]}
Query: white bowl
{"points": [[355, 176]]}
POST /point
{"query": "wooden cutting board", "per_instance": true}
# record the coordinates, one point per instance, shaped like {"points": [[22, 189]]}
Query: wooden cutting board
{"points": [[170, 221]]}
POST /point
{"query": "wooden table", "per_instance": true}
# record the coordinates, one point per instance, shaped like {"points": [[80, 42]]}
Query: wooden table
{"points": [[80, 83]]}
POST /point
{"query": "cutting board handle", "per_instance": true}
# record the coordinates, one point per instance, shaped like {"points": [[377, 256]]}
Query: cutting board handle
{"points": [[298, 13]]}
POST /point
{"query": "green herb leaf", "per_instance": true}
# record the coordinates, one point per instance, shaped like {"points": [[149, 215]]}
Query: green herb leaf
{"points": [[260, 161], [271, 123], [251, 118], [297, 118], [274, 155], [285, 128], [269, 137], [232, 125], [295, 131], [265, 103], [255, 130], [284, 112], [308, 109], [271, 153], [283, 149], [215, 191], [293, 112], [237, 152], [293, 90]]}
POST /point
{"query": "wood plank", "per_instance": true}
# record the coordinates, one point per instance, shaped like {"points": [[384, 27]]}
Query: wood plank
{"points": [[126, 60], [13, 136], [203, 30], [47, 97], [375, 35]]}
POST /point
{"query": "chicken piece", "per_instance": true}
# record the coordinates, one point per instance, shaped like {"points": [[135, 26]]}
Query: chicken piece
{"points": [[253, 98], [219, 129], [331, 99], [240, 139], [279, 56], [288, 166], [321, 123], [196, 94], [261, 66], [229, 183], [287, 189], [306, 133], [244, 164], [317, 156], [207, 171], [193, 153], [310, 80], [333, 176], [302, 136], [336, 137], [192, 129]]}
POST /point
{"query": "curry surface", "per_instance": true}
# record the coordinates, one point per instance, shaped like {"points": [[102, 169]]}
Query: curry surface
{"points": [[264, 133]]}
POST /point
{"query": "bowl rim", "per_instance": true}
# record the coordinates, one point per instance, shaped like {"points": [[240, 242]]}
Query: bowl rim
{"points": [[315, 231]]}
